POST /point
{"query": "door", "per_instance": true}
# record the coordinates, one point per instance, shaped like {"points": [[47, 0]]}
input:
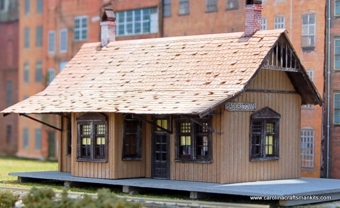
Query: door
{"points": [[161, 156]]}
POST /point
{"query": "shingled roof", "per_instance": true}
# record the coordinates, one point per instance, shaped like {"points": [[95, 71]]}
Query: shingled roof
{"points": [[176, 75]]}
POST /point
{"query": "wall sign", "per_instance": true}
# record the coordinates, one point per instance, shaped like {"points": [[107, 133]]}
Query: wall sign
{"points": [[233, 106]]}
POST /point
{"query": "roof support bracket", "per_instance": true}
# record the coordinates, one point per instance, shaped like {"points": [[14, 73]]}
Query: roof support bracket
{"points": [[42, 122], [210, 128], [152, 124]]}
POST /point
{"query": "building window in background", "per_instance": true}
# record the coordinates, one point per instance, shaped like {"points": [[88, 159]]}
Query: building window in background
{"points": [[263, 23], [308, 31], [183, 7], [37, 138], [51, 41], [39, 6], [38, 72], [232, 4], [63, 40], [337, 7], [26, 72], [279, 22], [80, 28], [27, 37], [2, 5], [27, 6], [38, 36], [166, 8], [337, 54], [51, 75], [62, 65], [26, 138], [336, 116], [307, 148], [211, 6]]}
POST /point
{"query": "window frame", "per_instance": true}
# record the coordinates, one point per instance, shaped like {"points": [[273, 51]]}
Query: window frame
{"points": [[63, 40], [307, 156], [38, 72], [26, 138], [337, 6], [26, 72], [137, 140], [232, 4], [27, 7], [166, 8], [80, 29], [26, 37], [264, 23], [210, 6], [195, 125], [92, 119], [39, 36], [336, 108], [184, 7], [279, 22], [50, 77], [263, 117], [38, 139], [51, 41], [307, 32], [40, 6], [336, 53]]}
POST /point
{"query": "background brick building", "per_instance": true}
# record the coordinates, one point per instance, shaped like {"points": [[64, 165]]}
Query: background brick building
{"points": [[9, 27]]}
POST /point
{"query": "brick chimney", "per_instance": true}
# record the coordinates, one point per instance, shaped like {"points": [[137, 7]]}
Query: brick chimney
{"points": [[108, 27], [253, 12]]}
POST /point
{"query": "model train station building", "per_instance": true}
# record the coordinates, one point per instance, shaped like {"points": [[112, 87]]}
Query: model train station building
{"points": [[220, 108]]}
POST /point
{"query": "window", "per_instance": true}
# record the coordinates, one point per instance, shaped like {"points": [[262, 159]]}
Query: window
{"points": [[80, 28], [69, 136], [310, 73], [37, 138], [193, 141], [264, 1], [51, 41], [232, 4], [337, 8], [337, 54], [8, 134], [211, 6], [26, 138], [92, 137], [307, 148], [264, 141], [2, 5], [9, 93], [336, 108], [139, 21], [183, 7], [63, 40], [38, 72], [38, 36], [39, 6], [132, 138], [263, 23], [279, 22], [308, 31], [166, 8], [27, 6], [62, 65], [26, 72], [51, 75], [27, 37]]}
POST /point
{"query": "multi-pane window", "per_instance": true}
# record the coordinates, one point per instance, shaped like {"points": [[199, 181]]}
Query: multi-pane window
{"points": [[37, 138], [38, 72], [279, 22], [63, 40], [9, 93], [51, 41], [307, 148], [308, 31], [39, 6], [27, 6], [337, 54], [211, 6], [50, 75], [193, 139], [336, 108], [139, 21], [38, 36], [80, 28], [132, 138], [26, 72], [183, 7], [264, 141], [26, 138], [337, 7], [263, 23], [27, 37], [92, 137], [231, 4], [166, 8]]}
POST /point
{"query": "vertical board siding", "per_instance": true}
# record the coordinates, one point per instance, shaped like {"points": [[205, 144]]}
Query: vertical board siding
{"points": [[236, 133], [65, 160]]}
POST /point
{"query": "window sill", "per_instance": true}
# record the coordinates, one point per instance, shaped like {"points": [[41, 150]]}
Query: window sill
{"points": [[211, 11], [132, 159], [193, 161], [307, 49], [264, 159], [91, 160], [228, 9], [184, 14], [307, 168]]}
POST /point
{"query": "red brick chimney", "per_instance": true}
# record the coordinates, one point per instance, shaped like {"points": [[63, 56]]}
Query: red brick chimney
{"points": [[108, 27], [253, 12]]}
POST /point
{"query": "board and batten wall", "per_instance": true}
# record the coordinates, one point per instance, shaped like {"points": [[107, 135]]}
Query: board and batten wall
{"points": [[236, 165]]}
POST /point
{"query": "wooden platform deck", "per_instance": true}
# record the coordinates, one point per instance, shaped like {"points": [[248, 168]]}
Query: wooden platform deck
{"points": [[288, 192]]}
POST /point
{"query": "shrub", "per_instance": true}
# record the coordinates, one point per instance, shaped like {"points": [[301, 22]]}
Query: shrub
{"points": [[8, 199]]}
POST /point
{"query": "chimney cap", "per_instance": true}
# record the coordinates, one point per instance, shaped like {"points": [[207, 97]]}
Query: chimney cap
{"points": [[108, 15]]}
